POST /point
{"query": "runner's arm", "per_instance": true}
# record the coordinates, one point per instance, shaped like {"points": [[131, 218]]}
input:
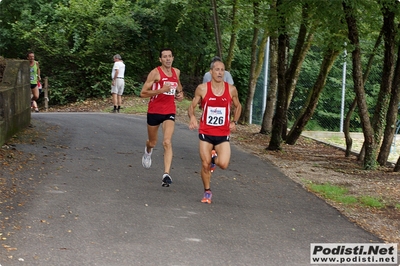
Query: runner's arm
{"points": [[198, 96], [179, 88], [147, 91], [237, 105]]}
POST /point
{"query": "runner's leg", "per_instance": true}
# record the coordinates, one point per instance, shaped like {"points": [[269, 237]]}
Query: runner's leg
{"points": [[168, 131]]}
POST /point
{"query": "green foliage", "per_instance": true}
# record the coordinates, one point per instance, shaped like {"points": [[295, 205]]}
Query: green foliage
{"points": [[327, 114], [313, 125], [74, 41], [240, 67]]}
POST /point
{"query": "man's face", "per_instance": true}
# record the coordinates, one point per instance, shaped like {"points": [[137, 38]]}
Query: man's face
{"points": [[31, 57], [218, 71], [166, 58]]}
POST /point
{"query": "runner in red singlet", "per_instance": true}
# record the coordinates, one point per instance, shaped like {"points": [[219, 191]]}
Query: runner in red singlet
{"points": [[216, 98], [163, 87]]}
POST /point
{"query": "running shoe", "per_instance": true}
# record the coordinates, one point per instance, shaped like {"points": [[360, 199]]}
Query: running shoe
{"points": [[207, 197], [146, 159], [213, 156], [166, 180]]}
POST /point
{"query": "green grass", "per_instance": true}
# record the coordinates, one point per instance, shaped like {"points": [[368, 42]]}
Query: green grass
{"points": [[334, 193], [340, 194], [135, 109], [337, 140], [373, 202], [140, 107], [184, 104]]}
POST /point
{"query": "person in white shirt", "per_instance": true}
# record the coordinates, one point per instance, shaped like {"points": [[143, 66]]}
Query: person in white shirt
{"points": [[118, 83], [227, 76]]}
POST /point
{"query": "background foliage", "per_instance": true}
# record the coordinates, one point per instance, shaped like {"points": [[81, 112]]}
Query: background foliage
{"points": [[74, 41]]}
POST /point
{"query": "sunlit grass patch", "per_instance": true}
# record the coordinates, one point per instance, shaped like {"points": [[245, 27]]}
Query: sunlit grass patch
{"points": [[333, 192], [371, 202], [340, 194], [138, 109]]}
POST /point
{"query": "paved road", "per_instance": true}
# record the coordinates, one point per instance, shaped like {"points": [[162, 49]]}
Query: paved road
{"points": [[94, 204]]}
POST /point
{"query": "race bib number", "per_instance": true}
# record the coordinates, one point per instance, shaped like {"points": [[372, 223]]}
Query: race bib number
{"points": [[173, 87], [216, 116]]}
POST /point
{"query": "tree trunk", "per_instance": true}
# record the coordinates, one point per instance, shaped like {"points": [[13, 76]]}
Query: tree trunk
{"points": [[369, 140], [257, 60], [346, 126], [280, 114], [232, 43], [217, 30], [266, 125], [382, 105], [312, 99], [391, 118], [245, 117], [397, 166], [386, 92], [303, 44]]}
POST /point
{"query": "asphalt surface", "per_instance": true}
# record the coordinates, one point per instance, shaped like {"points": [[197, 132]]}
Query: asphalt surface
{"points": [[94, 203]]}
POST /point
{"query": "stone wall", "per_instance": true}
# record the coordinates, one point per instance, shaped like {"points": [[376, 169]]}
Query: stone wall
{"points": [[15, 99]]}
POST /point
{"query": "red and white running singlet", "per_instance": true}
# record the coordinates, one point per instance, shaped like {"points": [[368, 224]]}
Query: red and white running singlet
{"points": [[216, 111], [164, 103]]}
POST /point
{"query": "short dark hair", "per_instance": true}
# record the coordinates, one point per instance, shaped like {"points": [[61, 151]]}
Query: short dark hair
{"points": [[215, 59], [165, 49], [29, 52]]}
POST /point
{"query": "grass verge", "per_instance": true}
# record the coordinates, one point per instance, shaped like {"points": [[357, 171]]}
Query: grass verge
{"points": [[340, 194]]}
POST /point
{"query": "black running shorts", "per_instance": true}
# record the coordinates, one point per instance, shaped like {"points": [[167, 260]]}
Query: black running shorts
{"points": [[214, 140], [156, 119]]}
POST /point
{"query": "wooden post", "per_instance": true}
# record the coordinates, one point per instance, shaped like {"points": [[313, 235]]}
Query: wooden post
{"points": [[46, 94]]}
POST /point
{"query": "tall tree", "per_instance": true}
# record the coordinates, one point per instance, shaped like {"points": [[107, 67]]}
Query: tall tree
{"points": [[235, 28], [291, 74], [382, 104], [279, 119], [258, 44], [303, 43], [387, 96], [217, 30], [392, 117], [370, 144], [313, 96], [266, 125], [353, 105]]}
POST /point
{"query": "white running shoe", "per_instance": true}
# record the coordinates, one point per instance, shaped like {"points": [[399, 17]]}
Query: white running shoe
{"points": [[146, 159]]}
